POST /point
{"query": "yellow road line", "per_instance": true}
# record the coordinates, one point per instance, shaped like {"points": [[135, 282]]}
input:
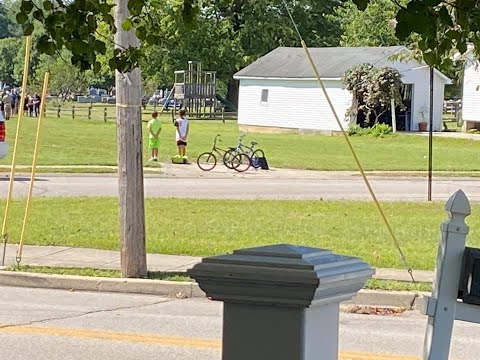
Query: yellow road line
{"points": [[162, 340], [344, 355], [115, 336]]}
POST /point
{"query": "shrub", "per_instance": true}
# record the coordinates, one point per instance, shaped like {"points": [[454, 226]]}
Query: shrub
{"points": [[380, 130], [357, 130]]}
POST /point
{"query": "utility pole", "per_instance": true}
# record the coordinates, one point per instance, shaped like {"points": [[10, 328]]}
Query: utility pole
{"points": [[130, 158]]}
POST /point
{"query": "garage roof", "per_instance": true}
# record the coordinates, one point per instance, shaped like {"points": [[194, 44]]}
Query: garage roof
{"points": [[332, 62]]}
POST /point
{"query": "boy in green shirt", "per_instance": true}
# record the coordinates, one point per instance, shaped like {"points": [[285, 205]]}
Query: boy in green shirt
{"points": [[154, 128]]}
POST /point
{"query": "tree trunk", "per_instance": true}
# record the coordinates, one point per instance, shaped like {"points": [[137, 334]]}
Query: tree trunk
{"points": [[232, 92], [353, 111], [130, 159]]}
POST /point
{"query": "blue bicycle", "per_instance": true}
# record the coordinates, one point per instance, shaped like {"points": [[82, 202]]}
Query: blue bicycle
{"points": [[253, 154]]}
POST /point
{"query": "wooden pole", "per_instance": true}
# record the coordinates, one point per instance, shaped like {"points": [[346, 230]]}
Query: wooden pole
{"points": [[130, 158]]}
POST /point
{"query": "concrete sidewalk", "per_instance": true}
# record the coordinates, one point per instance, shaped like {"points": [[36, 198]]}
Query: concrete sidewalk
{"points": [[104, 259]]}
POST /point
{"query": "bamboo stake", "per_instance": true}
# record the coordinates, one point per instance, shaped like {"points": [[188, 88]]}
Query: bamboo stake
{"points": [[28, 45], [34, 167]]}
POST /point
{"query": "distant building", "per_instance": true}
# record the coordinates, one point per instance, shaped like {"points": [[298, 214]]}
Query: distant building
{"points": [[471, 91], [279, 91]]}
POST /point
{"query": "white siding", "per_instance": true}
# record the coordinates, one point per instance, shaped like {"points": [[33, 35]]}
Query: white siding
{"points": [[471, 92], [297, 104], [420, 78], [300, 104]]}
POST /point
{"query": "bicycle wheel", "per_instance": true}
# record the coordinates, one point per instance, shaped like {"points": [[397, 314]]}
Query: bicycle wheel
{"points": [[241, 162], [257, 154], [228, 158], [207, 161]]}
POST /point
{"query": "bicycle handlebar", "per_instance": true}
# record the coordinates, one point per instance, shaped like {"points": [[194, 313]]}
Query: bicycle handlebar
{"points": [[240, 138]]}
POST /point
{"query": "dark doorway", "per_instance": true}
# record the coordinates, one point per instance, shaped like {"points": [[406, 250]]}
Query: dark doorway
{"points": [[403, 117]]}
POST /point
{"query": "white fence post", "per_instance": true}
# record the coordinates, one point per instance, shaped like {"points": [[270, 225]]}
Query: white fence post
{"points": [[441, 306]]}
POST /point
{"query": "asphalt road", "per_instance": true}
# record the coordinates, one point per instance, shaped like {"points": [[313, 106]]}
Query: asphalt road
{"points": [[329, 186], [64, 325]]}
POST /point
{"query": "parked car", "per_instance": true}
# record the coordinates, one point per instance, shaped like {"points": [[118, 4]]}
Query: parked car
{"points": [[3, 143], [113, 100], [171, 103], [109, 100]]}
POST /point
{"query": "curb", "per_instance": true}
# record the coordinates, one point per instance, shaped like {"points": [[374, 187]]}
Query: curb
{"points": [[98, 284], [375, 298]]}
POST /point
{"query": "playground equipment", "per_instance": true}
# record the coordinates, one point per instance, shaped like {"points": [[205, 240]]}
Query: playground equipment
{"points": [[196, 90]]}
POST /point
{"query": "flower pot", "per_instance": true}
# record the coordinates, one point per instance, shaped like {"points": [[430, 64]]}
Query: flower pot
{"points": [[422, 126]]}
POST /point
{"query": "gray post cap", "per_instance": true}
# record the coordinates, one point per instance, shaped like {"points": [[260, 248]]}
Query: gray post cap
{"points": [[283, 275]]}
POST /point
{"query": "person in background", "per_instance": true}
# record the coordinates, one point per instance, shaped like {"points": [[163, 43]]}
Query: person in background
{"points": [[2, 105], [7, 105], [17, 100], [26, 105], [37, 100], [14, 102], [154, 128], [182, 126], [30, 105]]}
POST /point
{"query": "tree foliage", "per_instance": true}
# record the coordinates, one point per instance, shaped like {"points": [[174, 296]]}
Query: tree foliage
{"points": [[443, 27], [75, 25], [374, 88], [372, 27], [8, 26], [8, 58], [226, 34], [231, 34]]}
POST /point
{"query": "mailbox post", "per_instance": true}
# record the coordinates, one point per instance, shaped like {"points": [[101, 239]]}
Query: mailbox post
{"points": [[281, 301], [443, 307]]}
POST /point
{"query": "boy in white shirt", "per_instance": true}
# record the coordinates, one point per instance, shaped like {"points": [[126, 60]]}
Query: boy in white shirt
{"points": [[182, 133]]}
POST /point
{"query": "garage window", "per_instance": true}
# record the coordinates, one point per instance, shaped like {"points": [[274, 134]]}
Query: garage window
{"points": [[264, 95]]}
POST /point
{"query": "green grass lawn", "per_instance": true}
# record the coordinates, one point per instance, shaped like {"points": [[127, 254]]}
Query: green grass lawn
{"points": [[209, 227], [81, 142]]}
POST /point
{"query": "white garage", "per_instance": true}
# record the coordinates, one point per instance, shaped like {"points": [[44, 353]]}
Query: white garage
{"points": [[279, 91]]}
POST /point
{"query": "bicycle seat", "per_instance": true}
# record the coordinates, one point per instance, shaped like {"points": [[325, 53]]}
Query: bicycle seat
{"points": [[254, 143]]}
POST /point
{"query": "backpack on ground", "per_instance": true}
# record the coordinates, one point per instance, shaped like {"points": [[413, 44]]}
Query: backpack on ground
{"points": [[263, 163]]}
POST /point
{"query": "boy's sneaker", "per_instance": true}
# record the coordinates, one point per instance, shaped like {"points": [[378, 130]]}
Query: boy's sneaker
{"points": [[152, 159], [155, 159]]}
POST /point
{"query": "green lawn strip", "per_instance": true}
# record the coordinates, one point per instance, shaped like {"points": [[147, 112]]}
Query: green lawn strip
{"points": [[61, 170], [65, 271], [155, 168], [92, 142], [393, 285], [154, 275], [75, 170], [373, 284], [424, 174], [211, 227]]}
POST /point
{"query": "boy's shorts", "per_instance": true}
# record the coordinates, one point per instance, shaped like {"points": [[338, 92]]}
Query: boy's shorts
{"points": [[153, 143], [181, 142]]}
